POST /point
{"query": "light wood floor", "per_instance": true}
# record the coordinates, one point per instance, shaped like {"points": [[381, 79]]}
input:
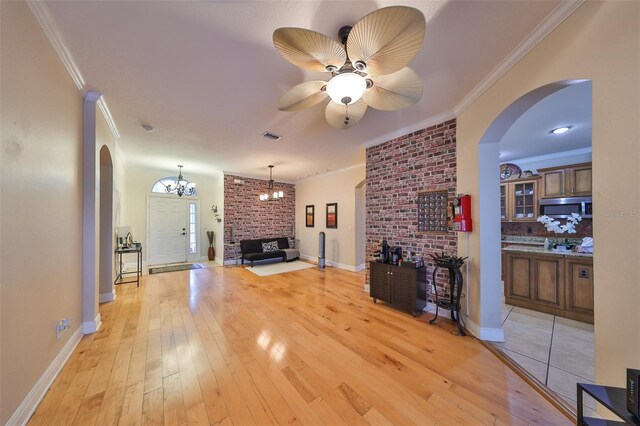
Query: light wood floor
{"points": [[224, 346]]}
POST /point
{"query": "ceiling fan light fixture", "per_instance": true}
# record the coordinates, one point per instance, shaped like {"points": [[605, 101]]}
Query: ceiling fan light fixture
{"points": [[346, 88]]}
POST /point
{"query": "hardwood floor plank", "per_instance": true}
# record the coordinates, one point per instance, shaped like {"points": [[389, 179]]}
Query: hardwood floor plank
{"points": [[224, 346], [153, 408], [174, 410], [132, 405], [87, 413]]}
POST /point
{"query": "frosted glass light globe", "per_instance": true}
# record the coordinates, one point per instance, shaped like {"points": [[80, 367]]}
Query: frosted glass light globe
{"points": [[346, 88]]}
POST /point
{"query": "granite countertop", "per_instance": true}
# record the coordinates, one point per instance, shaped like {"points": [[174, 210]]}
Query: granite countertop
{"points": [[542, 250], [522, 240]]}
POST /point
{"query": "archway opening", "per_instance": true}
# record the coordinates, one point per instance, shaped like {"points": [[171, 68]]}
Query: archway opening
{"points": [[106, 236], [506, 214]]}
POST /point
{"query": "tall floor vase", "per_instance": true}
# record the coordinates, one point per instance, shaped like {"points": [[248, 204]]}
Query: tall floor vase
{"points": [[212, 251]]}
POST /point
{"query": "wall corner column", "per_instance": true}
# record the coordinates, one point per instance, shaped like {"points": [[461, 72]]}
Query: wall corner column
{"points": [[90, 314]]}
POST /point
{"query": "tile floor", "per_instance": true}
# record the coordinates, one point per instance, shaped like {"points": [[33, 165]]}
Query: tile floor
{"points": [[557, 351]]}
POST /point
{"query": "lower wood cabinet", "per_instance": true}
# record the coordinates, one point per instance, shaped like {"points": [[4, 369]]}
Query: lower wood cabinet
{"points": [[555, 284], [579, 285], [404, 288]]}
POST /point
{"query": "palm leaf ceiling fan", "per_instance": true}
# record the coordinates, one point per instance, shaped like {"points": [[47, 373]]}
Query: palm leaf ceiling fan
{"points": [[368, 68]]}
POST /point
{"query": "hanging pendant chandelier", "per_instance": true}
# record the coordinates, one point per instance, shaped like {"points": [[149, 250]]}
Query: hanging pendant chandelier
{"points": [[179, 185], [271, 194]]}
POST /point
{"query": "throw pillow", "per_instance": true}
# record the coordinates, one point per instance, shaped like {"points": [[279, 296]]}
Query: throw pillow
{"points": [[270, 246]]}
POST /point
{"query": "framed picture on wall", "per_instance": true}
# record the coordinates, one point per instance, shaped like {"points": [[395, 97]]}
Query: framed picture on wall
{"points": [[332, 215], [310, 216]]}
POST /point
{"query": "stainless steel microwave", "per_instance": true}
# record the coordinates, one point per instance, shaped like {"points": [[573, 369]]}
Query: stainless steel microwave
{"points": [[562, 208]]}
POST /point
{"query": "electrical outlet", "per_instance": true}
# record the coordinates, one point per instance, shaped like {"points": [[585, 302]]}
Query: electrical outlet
{"points": [[63, 325]]}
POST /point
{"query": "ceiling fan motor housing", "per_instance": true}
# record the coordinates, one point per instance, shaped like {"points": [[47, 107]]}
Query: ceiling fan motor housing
{"points": [[343, 33]]}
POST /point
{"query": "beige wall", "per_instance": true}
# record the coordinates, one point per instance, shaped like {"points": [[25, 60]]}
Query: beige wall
{"points": [[337, 187], [41, 204], [139, 182], [601, 42]]}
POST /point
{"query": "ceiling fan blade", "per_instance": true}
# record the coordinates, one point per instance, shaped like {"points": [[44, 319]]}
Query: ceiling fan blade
{"points": [[387, 39], [394, 91], [336, 114], [308, 49], [303, 95]]}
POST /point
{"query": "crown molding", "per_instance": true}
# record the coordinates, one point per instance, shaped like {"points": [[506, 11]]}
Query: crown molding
{"points": [[555, 18], [331, 172], [50, 28], [431, 121], [255, 177], [106, 113], [48, 24]]}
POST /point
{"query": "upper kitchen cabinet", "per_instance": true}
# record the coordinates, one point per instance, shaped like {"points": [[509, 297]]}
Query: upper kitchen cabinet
{"points": [[519, 200], [566, 181]]}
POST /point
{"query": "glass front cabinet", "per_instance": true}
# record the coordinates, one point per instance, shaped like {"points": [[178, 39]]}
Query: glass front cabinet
{"points": [[519, 201]]}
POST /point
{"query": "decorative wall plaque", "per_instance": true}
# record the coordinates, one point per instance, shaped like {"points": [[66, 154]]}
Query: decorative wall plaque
{"points": [[432, 211]]}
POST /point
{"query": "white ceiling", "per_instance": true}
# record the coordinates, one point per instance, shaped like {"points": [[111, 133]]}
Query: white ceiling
{"points": [[529, 135], [206, 75]]}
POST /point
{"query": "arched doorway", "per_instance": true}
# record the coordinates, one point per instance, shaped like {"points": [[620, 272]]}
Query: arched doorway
{"points": [[536, 338], [489, 203], [106, 235]]}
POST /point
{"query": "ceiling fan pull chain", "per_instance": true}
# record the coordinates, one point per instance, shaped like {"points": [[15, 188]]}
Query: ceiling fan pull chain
{"points": [[346, 114]]}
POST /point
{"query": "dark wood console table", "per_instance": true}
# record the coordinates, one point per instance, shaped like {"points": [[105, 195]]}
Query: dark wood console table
{"points": [[405, 288], [129, 250]]}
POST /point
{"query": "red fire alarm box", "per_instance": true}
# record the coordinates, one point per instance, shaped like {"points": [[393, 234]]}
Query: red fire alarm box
{"points": [[462, 213]]}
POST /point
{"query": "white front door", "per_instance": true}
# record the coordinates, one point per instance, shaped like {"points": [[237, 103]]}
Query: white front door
{"points": [[167, 230]]}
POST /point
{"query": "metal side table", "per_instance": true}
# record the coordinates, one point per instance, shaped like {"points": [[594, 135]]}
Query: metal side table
{"points": [[137, 249]]}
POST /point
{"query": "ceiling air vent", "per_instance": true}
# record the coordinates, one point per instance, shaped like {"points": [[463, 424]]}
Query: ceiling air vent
{"points": [[271, 136]]}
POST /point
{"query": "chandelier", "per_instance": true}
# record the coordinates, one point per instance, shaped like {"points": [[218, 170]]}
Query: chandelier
{"points": [[271, 194], [179, 185]]}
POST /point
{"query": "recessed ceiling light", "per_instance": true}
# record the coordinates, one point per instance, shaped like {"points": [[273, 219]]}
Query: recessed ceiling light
{"points": [[560, 130], [148, 128]]}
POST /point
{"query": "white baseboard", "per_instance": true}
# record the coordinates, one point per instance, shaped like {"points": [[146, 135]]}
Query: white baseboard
{"points": [[367, 288], [328, 262], [431, 307], [310, 258], [361, 267], [107, 297], [89, 327], [484, 333], [32, 400]]}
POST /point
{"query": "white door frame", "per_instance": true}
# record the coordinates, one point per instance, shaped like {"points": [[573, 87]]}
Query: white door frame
{"points": [[190, 257]]}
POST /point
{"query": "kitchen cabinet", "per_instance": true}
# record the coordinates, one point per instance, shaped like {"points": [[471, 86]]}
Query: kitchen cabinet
{"points": [[405, 288], [519, 200], [535, 280], [552, 283], [579, 285], [566, 181]]}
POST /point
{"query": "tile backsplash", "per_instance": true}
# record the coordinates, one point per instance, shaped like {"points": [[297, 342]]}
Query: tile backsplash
{"points": [[537, 229]]}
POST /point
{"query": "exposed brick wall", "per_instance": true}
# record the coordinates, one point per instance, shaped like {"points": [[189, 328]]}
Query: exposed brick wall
{"points": [[537, 229], [252, 218], [396, 171]]}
